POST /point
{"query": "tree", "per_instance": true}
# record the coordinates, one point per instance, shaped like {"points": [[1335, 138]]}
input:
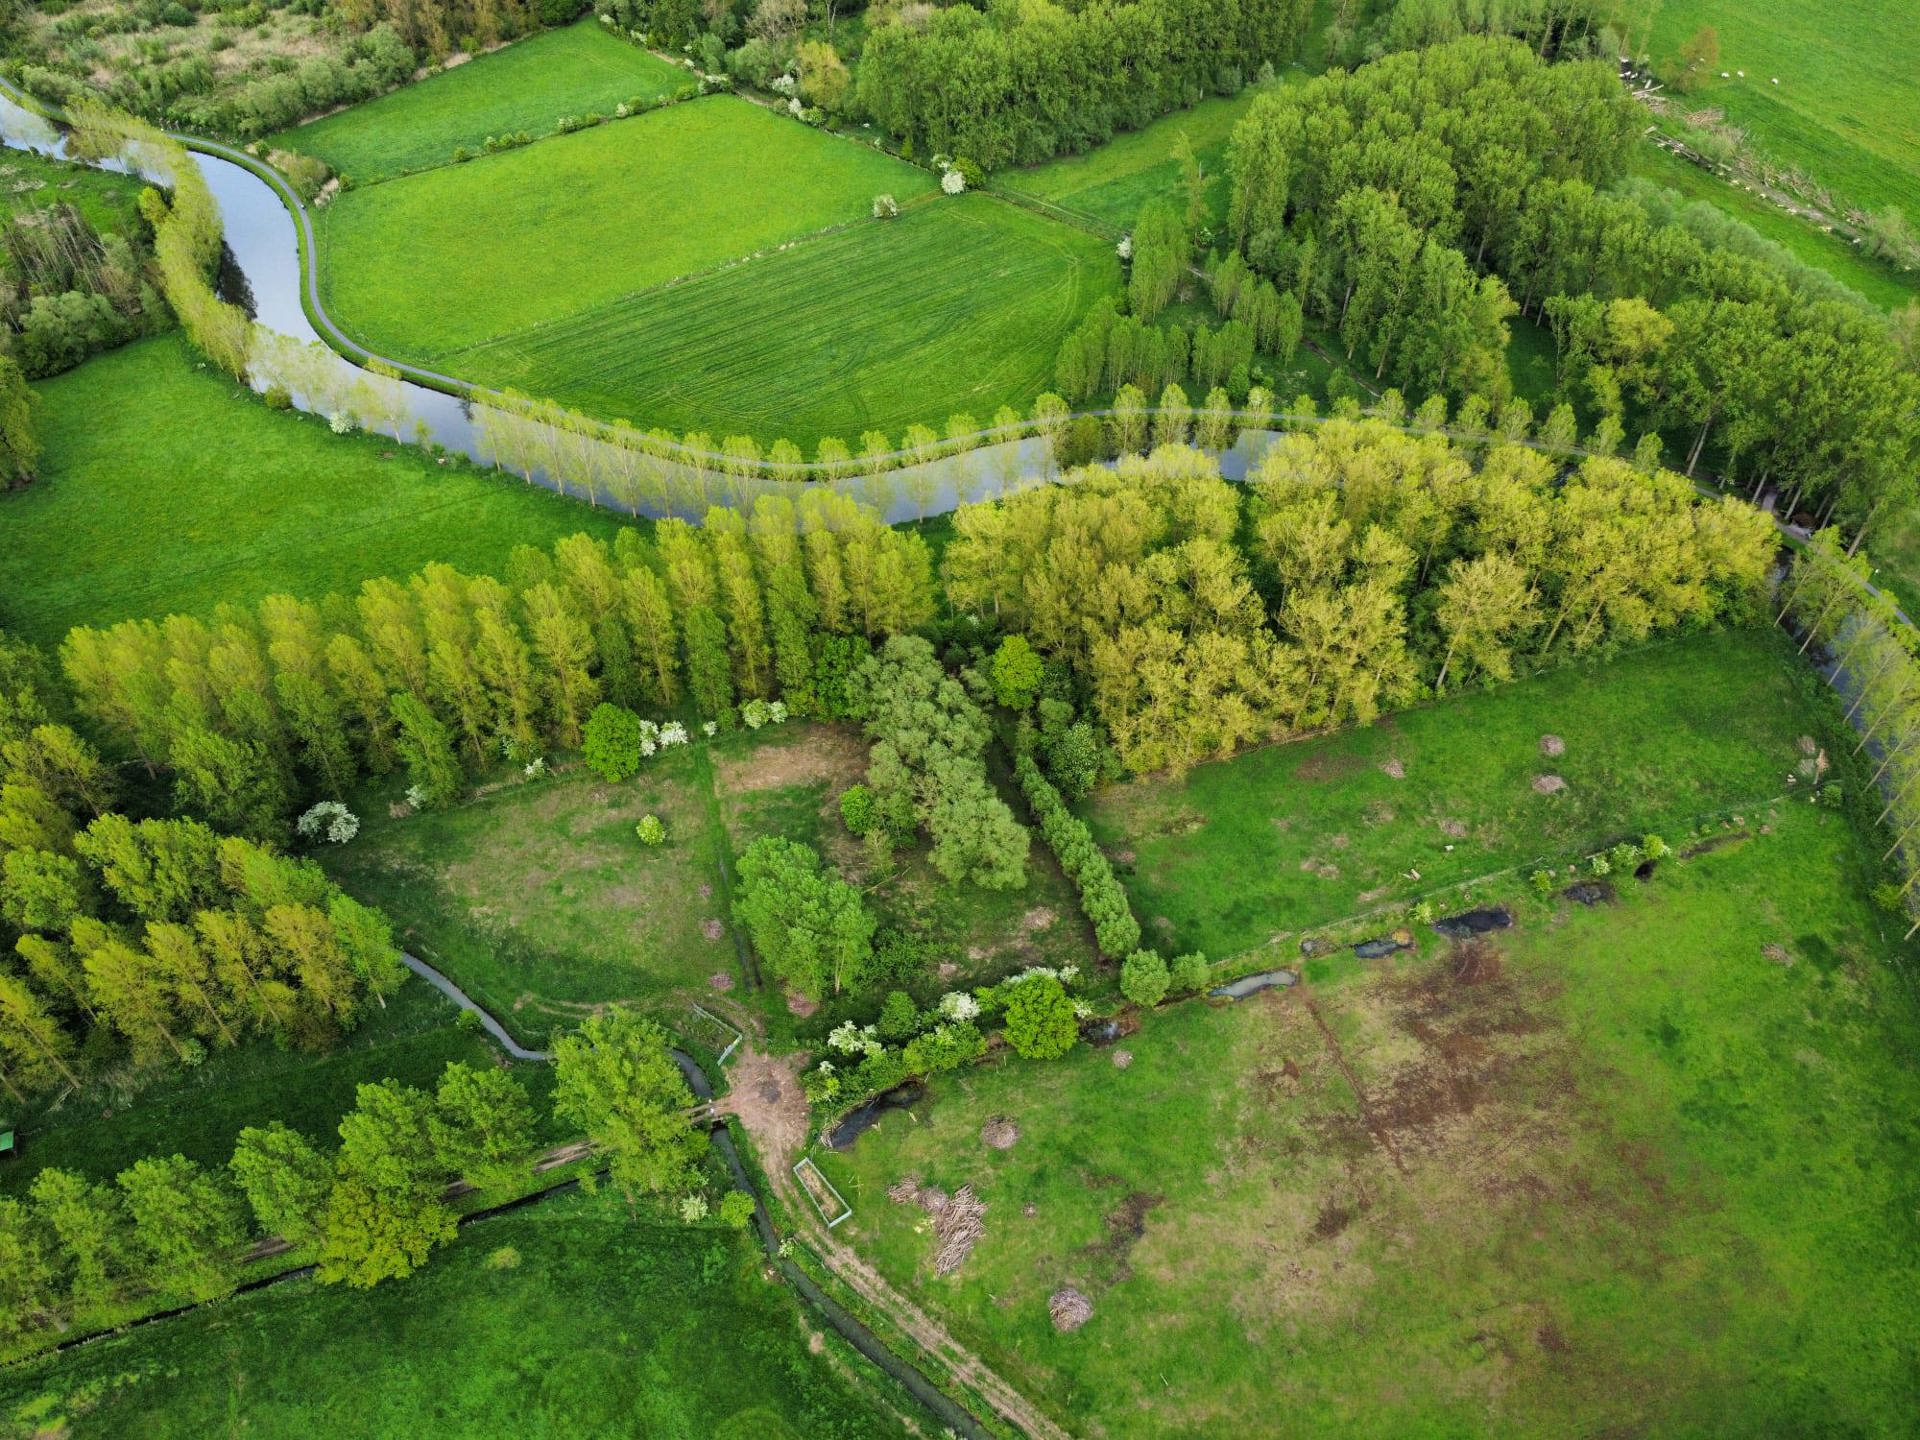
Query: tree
{"points": [[19, 442], [811, 928], [90, 1223], [1189, 972], [1017, 672], [1040, 1021], [284, 1179], [1144, 978], [616, 1079], [736, 1209], [482, 1126], [385, 1213], [426, 748], [612, 748], [29, 1298], [1485, 605], [186, 1222]]}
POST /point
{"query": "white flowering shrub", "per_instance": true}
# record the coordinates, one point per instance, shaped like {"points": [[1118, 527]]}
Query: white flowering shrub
{"points": [[331, 820], [885, 207], [756, 713], [416, 797], [621, 111], [649, 739], [693, 1209], [783, 84], [535, 767], [1125, 248], [341, 422], [851, 1039], [953, 182], [710, 729], [672, 733], [959, 1005], [777, 712]]}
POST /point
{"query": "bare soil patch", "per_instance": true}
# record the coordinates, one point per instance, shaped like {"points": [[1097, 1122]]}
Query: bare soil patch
{"points": [[999, 1133], [1393, 769], [766, 1095], [1069, 1308], [1329, 765], [1552, 745], [1548, 784], [797, 755]]}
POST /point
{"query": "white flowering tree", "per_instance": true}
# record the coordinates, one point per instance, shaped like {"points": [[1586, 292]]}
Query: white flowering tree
{"points": [[953, 182]]}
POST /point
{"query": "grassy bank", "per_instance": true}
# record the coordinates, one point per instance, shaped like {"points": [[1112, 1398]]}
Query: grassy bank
{"points": [[563, 1319], [166, 487], [527, 87]]}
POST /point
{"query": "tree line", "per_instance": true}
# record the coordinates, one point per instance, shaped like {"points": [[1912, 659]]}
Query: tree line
{"points": [[1015, 86], [81, 1253], [1362, 568], [1416, 203], [445, 671]]}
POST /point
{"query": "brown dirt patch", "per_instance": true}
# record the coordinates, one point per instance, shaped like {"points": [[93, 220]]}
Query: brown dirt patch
{"points": [[1393, 769], [1548, 784], [713, 928], [1038, 918], [1552, 745], [957, 1226], [1126, 1223], [1453, 829], [1325, 869], [795, 754], [721, 980], [999, 1133], [1712, 843], [1329, 765], [766, 1095], [1122, 1059], [1777, 955], [798, 1004]]}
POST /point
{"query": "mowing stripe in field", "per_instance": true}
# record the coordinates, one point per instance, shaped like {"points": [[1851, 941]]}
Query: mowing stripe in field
{"points": [[957, 305], [437, 262]]}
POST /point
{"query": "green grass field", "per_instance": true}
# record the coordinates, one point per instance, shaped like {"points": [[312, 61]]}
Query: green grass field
{"points": [[1878, 282], [1110, 184], [1640, 1169], [958, 305], [1846, 110], [1285, 838], [561, 228], [539, 901], [526, 86], [122, 1117], [165, 487], [598, 1326]]}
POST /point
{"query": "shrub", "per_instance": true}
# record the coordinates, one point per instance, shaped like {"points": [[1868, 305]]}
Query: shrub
{"points": [[857, 809], [1144, 979], [1654, 848], [330, 819], [693, 1209], [504, 1258], [612, 748], [278, 397], [1190, 972], [885, 207], [651, 830], [953, 182], [1017, 673], [736, 1209], [899, 1016], [1624, 856], [1542, 881], [1039, 1021]]}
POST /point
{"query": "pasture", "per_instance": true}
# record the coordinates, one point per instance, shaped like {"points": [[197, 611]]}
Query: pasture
{"points": [[1846, 110], [1245, 852], [527, 86], [252, 501], [31, 182], [537, 899], [958, 305], [1627, 1169], [566, 1318], [424, 267]]}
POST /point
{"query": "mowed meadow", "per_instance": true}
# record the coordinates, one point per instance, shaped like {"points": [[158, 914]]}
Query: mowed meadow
{"points": [[874, 327], [525, 87], [429, 265]]}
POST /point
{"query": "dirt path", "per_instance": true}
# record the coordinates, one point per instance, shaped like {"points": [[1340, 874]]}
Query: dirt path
{"points": [[766, 1097]]}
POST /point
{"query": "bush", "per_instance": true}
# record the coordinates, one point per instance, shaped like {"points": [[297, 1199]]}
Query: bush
{"points": [[736, 1209], [612, 748], [651, 830], [857, 809], [1144, 979], [1190, 972], [1017, 673], [899, 1017], [1039, 1021], [885, 207]]}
